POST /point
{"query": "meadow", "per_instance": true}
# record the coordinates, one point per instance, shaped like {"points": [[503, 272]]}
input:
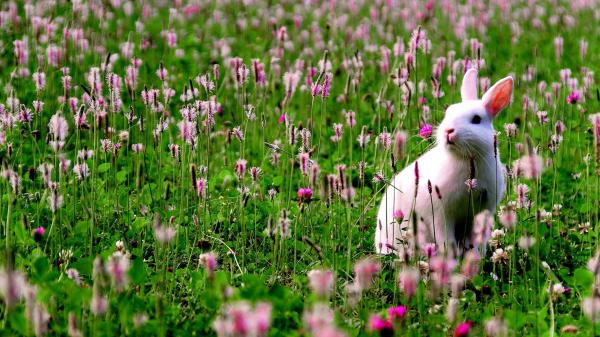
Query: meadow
{"points": [[214, 168]]}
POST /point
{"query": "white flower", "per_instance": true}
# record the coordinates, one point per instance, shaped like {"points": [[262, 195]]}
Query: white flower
{"points": [[500, 256]]}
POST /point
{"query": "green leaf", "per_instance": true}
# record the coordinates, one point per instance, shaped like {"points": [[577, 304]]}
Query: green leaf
{"points": [[21, 234], [122, 176], [82, 227], [583, 278], [18, 322], [41, 266], [278, 181], [104, 167], [138, 272], [84, 266]]}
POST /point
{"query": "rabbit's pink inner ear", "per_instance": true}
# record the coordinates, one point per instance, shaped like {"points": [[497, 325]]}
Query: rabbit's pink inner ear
{"points": [[498, 97], [468, 89]]}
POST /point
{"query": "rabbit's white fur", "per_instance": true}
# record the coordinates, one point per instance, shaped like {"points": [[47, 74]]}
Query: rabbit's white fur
{"points": [[447, 221]]}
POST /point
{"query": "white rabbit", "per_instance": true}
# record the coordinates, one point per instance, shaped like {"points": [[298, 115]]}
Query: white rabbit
{"points": [[465, 149]]}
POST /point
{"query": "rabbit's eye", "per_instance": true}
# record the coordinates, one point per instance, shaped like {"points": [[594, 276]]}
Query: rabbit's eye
{"points": [[476, 119]]}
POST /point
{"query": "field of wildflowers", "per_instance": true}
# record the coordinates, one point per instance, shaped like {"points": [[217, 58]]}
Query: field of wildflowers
{"points": [[214, 167]]}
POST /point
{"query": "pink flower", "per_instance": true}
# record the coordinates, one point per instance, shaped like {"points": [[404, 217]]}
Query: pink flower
{"points": [[282, 118], [441, 268], [12, 178], [378, 324], [470, 265], [482, 227], [304, 194], [58, 127], [209, 261], [350, 118], [337, 129], [320, 282], [39, 78], [508, 216], [117, 267], [425, 131], [304, 159], [98, 304], [595, 120], [529, 166], [429, 250], [240, 168], [573, 97], [164, 234], [240, 319], [190, 10], [262, 316], [326, 85], [290, 81], [255, 173], [201, 187], [398, 215], [471, 184], [463, 329], [364, 271], [187, 131], [400, 139], [13, 286], [409, 281], [137, 148], [385, 139], [38, 233], [397, 313], [21, 51]]}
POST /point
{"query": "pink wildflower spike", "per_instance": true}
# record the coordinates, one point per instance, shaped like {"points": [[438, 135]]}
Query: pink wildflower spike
{"points": [[240, 319], [470, 265], [409, 281], [350, 118], [240, 168], [201, 185], [385, 139], [482, 228], [321, 282], [304, 160], [137, 148], [528, 166], [39, 78], [326, 85], [429, 250], [337, 129], [364, 272], [583, 48], [117, 267], [441, 268]]}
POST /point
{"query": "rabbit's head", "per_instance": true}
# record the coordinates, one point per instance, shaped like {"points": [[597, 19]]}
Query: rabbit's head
{"points": [[467, 128]]}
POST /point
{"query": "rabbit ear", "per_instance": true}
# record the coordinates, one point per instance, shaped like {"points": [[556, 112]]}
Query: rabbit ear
{"points": [[468, 89], [498, 96]]}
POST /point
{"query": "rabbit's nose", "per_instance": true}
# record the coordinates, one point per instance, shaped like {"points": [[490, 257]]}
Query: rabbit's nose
{"points": [[450, 136]]}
